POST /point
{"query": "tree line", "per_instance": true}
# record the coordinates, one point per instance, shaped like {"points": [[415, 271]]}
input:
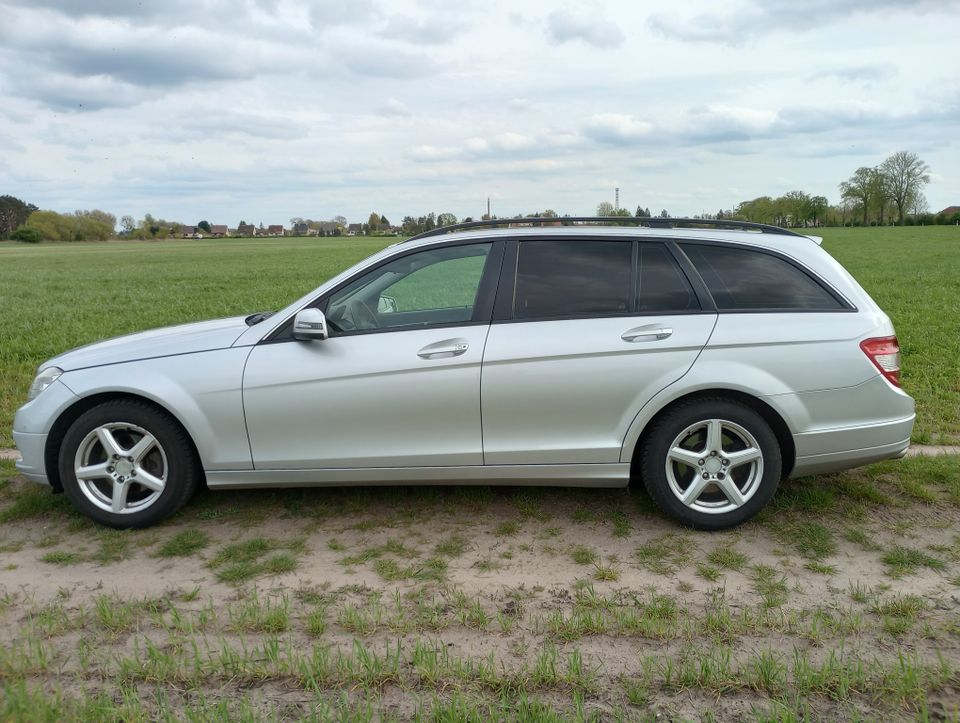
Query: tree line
{"points": [[891, 191], [878, 195]]}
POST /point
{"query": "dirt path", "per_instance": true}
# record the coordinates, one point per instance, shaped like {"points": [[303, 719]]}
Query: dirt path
{"points": [[555, 592]]}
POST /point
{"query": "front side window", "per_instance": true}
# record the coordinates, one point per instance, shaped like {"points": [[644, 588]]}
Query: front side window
{"points": [[744, 280], [572, 278], [435, 286]]}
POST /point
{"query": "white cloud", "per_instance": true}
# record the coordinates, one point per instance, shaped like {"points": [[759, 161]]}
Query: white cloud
{"points": [[564, 26], [616, 128]]}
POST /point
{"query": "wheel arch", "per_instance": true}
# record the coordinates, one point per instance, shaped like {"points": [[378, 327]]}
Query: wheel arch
{"points": [[770, 415], [69, 415]]}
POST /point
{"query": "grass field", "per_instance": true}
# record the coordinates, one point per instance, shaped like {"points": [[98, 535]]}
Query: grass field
{"points": [[841, 601], [58, 296]]}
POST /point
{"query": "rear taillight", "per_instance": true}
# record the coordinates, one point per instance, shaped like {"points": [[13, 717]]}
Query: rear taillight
{"points": [[884, 352]]}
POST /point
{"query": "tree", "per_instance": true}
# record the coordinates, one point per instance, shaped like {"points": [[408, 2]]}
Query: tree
{"points": [[53, 226], [664, 214], [27, 235], [100, 216], [373, 223], [859, 189], [128, 224], [919, 205], [13, 214], [907, 175], [642, 212], [446, 219], [795, 206], [205, 225], [384, 223], [818, 209], [339, 220], [605, 209], [880, 193]]}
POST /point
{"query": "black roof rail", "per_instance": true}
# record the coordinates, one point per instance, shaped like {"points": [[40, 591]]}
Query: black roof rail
{"points": [[650, 222]]}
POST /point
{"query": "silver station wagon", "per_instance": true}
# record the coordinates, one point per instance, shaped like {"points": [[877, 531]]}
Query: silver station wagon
{"points": [[705, 361]]}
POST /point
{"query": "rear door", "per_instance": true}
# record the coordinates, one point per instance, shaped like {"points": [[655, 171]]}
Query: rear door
{"points": [[585, 332]]}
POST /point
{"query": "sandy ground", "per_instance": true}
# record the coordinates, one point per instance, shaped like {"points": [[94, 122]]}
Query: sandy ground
{"points": [[517, 560]]}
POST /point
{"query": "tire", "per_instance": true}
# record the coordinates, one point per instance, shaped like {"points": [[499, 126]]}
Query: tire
{"points": [[127, 464], [701, 484]]}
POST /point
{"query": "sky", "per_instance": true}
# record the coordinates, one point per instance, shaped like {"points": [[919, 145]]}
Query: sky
{"points": [[263, 110]]}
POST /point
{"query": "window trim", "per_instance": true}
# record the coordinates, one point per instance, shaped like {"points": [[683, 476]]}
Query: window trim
{"points": [[846, 306], [482, 308], [503, 308]]}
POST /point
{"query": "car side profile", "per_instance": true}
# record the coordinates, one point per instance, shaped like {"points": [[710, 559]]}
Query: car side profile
{"points": [[704, 360]]}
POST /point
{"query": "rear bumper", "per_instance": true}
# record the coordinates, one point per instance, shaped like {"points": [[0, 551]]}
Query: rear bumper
{"points": [[832, 450]]}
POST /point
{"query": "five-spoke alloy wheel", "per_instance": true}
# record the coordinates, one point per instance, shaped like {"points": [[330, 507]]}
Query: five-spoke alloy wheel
{"points": [[127, 464], [711, 463]]}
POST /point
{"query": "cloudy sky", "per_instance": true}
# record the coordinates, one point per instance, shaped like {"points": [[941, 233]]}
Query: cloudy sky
{"points": [[268, 109]]}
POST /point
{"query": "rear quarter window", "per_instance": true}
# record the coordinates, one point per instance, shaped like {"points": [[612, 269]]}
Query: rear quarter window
{"points": [[746, 280]]}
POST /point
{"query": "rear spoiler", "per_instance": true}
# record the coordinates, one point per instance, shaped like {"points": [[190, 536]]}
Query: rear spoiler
{"points": [[818, 240]]}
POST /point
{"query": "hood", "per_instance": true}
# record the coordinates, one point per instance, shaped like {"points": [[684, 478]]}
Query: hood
{"points": [[170, 340]]}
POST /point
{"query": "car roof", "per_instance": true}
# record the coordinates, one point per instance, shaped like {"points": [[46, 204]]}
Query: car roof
{"points": [[753, 238]]}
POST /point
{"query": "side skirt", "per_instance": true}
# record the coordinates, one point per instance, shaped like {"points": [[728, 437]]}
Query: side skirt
{"points": [[558, 475]]}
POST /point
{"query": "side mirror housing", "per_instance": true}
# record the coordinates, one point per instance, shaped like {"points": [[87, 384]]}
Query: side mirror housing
{"points": [[309, 325]]}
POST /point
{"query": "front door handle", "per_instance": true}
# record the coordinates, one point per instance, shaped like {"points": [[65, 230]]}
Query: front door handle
{"points": [[444, 349], [650, 332]]}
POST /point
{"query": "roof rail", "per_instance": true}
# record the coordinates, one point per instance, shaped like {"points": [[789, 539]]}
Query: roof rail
{"points": [[650, 222]]}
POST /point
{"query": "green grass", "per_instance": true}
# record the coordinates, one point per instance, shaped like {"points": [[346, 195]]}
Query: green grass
{"points": [[184, 544], [52, 298], [242, 561], [583, 555], [901, 560], [62, 557]]}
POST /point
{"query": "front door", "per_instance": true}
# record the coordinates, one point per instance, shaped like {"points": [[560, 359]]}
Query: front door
{"points": [[397, 384]]}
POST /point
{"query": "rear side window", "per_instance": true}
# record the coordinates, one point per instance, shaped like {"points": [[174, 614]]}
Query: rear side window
{"points": [[662, 286], [743, 280], [572, 278]]}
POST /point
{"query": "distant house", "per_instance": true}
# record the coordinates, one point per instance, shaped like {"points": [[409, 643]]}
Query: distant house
{"points": [[246, 229], [950, 211], [355, 229], [275, 230], [218, 231], [187, 231], [300, 229]]}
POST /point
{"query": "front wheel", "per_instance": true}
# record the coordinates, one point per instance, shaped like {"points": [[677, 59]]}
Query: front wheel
{"points": [[125, 464], [710, 463]]}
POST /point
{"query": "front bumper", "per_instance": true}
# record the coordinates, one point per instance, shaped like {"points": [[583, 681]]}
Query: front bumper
{"points": [[32, 425], [31, 463]]}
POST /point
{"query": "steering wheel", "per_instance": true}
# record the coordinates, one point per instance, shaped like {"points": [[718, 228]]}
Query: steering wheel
{"points": [[370, 317]]}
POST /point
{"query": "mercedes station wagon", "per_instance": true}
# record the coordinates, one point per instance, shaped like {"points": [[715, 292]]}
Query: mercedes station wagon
{"points": [[705, 361]]}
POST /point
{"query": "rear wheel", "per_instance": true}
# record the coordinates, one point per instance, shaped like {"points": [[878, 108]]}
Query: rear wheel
{"points": [[711, 463], [125, 463]]}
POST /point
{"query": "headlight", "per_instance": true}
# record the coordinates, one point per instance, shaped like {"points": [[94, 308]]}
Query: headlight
{"points": [[44, 379]]}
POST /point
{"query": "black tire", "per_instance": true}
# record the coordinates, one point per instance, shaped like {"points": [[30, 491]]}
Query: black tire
{"points": [[173, 455], [761, 480]]}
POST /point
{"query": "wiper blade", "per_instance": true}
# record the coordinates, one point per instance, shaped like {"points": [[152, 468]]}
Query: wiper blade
{"points": [[258, 317]]}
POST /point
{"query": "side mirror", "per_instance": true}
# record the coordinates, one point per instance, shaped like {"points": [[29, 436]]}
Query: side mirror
{"points": [[310, 324]]}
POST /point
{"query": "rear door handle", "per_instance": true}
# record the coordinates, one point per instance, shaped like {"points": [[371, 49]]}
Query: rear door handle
{"points": [[650, 332], [444, 349]]}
